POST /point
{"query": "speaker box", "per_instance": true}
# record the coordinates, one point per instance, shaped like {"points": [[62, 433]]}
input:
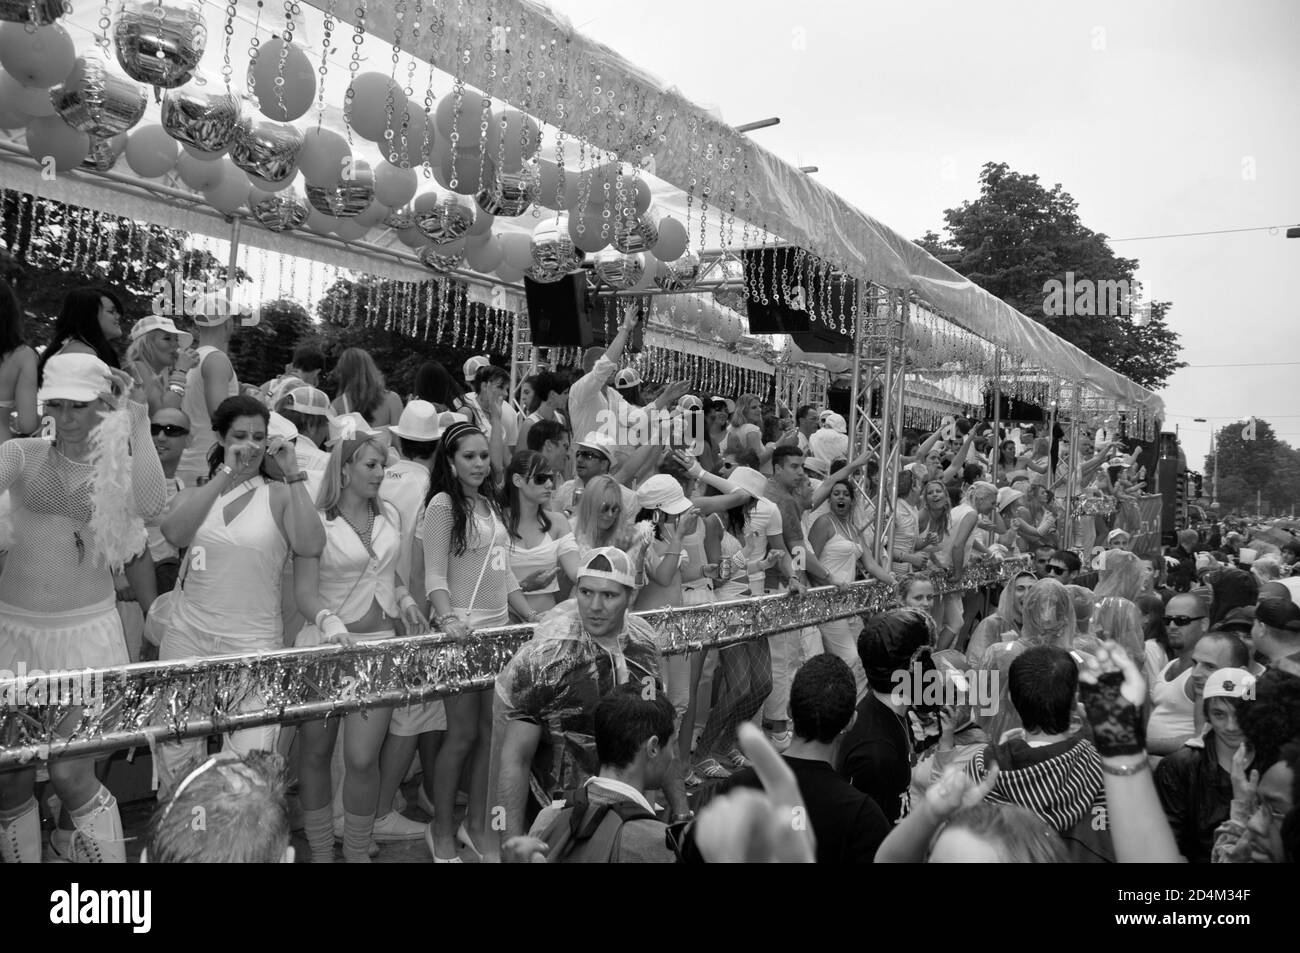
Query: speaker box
{"points": [[605, 317], [558, 311], [806, 303]]}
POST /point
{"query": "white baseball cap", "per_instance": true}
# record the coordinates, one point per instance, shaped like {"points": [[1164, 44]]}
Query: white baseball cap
{"points": [[472, 367], [307, 400], [627, 377], [159, 322], [1229, 683], [835, 422], [419, 421], [662, 492], [620, 563]]}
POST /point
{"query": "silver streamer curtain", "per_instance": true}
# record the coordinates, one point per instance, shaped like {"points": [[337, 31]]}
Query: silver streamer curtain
{"points": [[45, 716]]}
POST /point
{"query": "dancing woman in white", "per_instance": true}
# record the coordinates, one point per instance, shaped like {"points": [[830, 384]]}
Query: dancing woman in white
{"points": [[77, 505], [354, 594], [239, 529]]}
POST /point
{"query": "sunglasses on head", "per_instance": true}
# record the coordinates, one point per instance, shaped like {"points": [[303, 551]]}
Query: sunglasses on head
{"points": [[1181, 620], [170, 430], [1056, 570]]}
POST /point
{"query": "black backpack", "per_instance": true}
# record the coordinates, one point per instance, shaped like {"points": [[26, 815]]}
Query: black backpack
{"points": [[584, 833]]}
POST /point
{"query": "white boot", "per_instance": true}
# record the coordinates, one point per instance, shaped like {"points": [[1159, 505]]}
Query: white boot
{"points": [[99, 838], [20, 836]]}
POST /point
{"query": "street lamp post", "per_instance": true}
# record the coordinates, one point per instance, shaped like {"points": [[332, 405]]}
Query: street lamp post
{"points": [[1214, 449]]}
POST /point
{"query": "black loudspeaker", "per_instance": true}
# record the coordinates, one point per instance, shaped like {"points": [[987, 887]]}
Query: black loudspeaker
{"points": [[605, 317], [802, 300], [559, 311]]}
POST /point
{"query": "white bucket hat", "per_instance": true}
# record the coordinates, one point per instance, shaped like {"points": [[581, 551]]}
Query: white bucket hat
{"points": [[77, 377], [419, 421]]}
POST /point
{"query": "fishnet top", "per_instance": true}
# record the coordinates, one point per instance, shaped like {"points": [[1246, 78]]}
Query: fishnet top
{"points": [[456, 575], [52, 566]]}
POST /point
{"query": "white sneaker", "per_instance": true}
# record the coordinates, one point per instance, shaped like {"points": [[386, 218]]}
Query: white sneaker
{"points": [[394, 827]]}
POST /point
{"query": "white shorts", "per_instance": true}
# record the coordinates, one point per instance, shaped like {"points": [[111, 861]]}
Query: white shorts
{"points": [[415, 720]]}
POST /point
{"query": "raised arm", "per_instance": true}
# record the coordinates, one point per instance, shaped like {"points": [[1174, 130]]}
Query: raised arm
{"points": [[25, 392]]}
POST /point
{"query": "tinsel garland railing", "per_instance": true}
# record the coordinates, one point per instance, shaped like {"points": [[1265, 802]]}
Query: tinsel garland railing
{"points": [[136, 705]]}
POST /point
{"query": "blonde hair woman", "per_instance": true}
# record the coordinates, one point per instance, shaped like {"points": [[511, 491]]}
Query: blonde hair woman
{"points": [[160, 358], [362, 389], [354, 594], [599, 520], [745, 432]]}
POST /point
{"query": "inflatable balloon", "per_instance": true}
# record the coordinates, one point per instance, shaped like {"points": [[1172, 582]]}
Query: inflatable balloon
{"points": [[367, 111], [50, 139], [150, 152], [395, 187], [323, 156], [283, 80], [41, 59], [672, 239]]}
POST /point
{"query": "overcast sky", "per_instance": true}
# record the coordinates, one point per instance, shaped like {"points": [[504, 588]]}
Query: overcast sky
{"points": [[1158, 117]]}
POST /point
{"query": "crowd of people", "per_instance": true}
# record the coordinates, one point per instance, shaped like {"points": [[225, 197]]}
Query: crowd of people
{"points": [[154, 506]]}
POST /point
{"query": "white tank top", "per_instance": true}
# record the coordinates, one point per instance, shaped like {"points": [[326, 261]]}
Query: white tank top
{"points": [[195, 406], [1173, 714], [232, 581], [840, 556]]}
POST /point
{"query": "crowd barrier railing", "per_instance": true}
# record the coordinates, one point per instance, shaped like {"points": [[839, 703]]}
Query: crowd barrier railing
{"points": [[56, 715]]}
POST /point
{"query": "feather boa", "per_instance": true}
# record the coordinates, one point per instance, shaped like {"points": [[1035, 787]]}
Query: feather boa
{"points": [[115, 524]]}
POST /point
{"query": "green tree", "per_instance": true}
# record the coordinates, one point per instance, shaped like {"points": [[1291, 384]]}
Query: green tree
{"points": [[1018, 236], [260, 353], [353, 314], [1265, 466]]}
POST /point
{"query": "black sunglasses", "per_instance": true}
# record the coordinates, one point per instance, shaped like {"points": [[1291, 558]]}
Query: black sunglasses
{"points": [[1181, 620], [171, 430], [541, 478], [588, 455], [1056, 570]]}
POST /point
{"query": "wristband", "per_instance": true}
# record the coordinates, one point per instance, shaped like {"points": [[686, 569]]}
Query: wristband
{"points": [[1125, 770], [321, 615], [332, 628], [400, 592], [299, 477]]}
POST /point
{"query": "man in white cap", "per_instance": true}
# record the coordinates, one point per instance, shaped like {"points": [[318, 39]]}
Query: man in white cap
{"points": [[596, 455], [831, 442], [546, 696], [592, 400], [1119, 539], [207, 384], [308, 409], [1195, 782]]}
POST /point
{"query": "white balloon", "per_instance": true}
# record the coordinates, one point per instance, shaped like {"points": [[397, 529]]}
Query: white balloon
{"points": [[151, 152], [485, 256], [395, 187], [672, 239], [323, 155], [518, 248]]}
